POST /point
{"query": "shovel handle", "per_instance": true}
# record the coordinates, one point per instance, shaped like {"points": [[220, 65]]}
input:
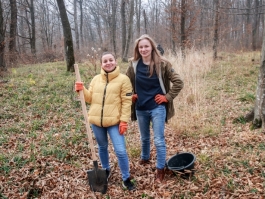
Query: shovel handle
{"points": [[83, 103]]}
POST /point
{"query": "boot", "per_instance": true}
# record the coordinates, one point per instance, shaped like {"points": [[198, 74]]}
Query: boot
{"points": [[160, 174], [144, 162]]}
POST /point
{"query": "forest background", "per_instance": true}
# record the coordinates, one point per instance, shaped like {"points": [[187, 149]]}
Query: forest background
{"points": [[216, 47]]}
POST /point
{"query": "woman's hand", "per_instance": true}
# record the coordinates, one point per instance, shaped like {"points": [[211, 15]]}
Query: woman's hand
{"points": [[160, 99], [123, 127], [79, 86], [134, 98]]}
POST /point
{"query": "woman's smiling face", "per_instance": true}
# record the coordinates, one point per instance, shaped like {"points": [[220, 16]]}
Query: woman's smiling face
{"points": [[108, 62], [145, 48]]}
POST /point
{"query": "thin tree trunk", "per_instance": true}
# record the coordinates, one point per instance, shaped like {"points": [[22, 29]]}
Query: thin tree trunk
{"points": [[68, 40], [33, 29], [173, 25], [247, 32], [13, 32], [255, 26], [138, 16], [145, 22], [81, 22], [216, 26], [182, 28], [125, 55], [123, 28], [259, 109], [76, 25], [2, 41], [113, 25]]}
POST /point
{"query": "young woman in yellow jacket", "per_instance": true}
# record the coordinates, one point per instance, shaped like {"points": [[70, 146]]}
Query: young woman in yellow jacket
{"points": [[110, 98]]}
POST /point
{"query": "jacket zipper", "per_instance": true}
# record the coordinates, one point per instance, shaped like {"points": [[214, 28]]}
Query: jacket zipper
{"points": [[103, 100]]}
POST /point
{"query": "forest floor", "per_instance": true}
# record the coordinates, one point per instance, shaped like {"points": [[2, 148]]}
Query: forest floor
{"points": [[44, 152]]}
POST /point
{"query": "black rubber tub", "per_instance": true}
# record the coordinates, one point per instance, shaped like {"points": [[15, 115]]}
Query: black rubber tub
{"points": [[182, 163]]}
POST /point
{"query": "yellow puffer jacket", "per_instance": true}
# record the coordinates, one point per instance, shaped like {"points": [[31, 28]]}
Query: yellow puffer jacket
{"points": [[110, 98]]}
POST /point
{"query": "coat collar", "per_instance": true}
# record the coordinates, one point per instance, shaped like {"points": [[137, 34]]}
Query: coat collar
{"points": [[110, 75]]}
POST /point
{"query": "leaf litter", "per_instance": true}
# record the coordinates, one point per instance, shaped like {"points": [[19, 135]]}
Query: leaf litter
{"points": [[48, 158]]}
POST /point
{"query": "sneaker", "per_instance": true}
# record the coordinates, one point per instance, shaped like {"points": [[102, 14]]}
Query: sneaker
{"points": [[127, 184], [107, 174]]}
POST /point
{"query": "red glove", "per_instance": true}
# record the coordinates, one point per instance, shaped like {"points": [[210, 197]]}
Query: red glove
{"points": [[123, 127], [160, 99], [78, 86], [134, 98]]}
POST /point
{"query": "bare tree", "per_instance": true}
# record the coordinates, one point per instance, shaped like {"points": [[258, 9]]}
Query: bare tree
{"points": [[97, 21], [13, 32], [182, 28], [128, 40], [216, 27], [255, 26], [259, 109], [138, 16], [76, 26], [123, 27], [68, 40], [145, 21], [2, 40], [81, 21], [33, 32], [113, 25], [173, 28]]}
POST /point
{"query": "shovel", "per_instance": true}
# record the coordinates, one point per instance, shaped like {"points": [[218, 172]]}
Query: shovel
{"points": [[97, 178]]}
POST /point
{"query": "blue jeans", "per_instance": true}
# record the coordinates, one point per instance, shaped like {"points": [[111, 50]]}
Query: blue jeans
{"points": [[157, 116], [118, 142]]}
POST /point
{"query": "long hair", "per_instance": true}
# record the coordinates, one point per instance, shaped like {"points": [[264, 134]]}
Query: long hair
{"points": [[155, 55]]}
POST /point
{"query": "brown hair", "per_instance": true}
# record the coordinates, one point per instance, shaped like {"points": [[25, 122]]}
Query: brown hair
{"points": [[107, 53], [155, 55]]}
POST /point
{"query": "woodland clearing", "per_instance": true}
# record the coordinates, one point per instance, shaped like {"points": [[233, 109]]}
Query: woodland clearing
{"points": [[44, 152]]}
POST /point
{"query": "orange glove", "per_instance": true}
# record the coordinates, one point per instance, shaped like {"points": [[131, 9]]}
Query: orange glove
{"points": [[123, 127], [160, 99], [78, 86], [134, 98]]}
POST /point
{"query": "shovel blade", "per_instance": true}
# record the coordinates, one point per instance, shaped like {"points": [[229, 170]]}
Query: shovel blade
{"points": [[97, 179]]}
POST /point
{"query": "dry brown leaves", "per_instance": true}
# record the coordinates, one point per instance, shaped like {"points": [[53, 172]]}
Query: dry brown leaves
{"points": [[220, 172]]}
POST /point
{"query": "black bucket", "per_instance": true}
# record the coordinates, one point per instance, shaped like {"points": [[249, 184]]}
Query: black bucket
{"points": [[182, 163]]}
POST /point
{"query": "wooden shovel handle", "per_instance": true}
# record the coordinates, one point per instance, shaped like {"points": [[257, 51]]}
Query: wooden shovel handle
{"points": [[82, 98]]}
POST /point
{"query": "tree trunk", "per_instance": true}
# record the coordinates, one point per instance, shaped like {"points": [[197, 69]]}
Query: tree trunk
{"points": [[138, 17], [2, 41], [145, 21], [216, 26], [113, 25], [259, 109], [173, 19], [128, 41], [33, 28], [13, 33], [76, 26], [247, 41], [182, 28], [255, 26], [123, 28], [81, 22], [68, 40]]}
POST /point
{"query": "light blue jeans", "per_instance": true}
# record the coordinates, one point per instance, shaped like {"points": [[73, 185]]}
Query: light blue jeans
{"points": [[118, 142], [157, 116]]}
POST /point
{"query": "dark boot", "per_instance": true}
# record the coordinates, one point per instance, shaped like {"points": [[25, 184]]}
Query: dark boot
{"points": [[144, 162], [160, 174]]}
